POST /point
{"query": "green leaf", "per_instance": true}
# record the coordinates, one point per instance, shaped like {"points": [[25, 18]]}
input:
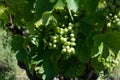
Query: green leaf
{"points": [[110, 40], [91, 5], [17, 46], [72, 5], [98, 66], [72, 67], [106, 48], [41, 7], [82, 51], [51, 69], [93, 19], [60, 5], [30, 27], [85, 27], [27, 11]]}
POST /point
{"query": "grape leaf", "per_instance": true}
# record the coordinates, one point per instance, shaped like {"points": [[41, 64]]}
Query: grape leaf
{"points": [[72, 5], [98, 66], [91, 5], [106, 48], [72, 67], [51, 69], [110, 40], [59, 5], [17, 46], [41, 7]]}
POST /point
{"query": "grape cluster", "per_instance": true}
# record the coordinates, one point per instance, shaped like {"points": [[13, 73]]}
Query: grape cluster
{"points": [[113, 17], [65, 38]]}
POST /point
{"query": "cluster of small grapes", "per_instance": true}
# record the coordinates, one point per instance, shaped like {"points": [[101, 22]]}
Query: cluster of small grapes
{"points": [[113, 17], [65, 37]]}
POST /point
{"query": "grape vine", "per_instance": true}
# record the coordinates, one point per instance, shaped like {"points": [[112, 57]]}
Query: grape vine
{"points": [[64, 39]]}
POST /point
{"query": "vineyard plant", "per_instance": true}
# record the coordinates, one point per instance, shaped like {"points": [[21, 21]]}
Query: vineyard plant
{"points": [[63, 39]]}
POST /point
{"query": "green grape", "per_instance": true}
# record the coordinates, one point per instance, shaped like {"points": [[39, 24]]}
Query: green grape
{"points": [[64, 50], [110, 14], [65, 30], [67, 47], [69, 28], [54, 37], [66, 17], [107, 18], [109, 24], [114, 21], [55, 41], [73, 44], [69, 50], [72, 35], [61, 31], [54, 45], [70, 24], [58, 29], [115, 17], [118, 24], [72, 39], [63, 25], [63, 39], [118, 14], [68, 43], [72, 50]]}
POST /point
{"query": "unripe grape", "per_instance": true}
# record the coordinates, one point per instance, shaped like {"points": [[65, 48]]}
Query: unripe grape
{"points": [[118, 24], [55, 41], [67, 47], [114, 21], [72, 35], [65, 30], [72, 39], [107, 18], [63, 39], [69, 50], [66, 17], [110, 14], [54, 37], [57, 29], [63, 25], [73, 44], [54, 45], [70, 28], [115, 17], [70, 24], [61, 31], [109, 24], [68, 43], [72, 50], [64, 50], [118, 14]]}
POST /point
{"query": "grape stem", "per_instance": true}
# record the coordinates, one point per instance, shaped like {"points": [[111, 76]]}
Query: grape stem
{"points": [[71, 15]]}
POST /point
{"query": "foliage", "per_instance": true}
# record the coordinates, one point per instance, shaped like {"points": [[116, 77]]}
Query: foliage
{"points": [[7, 59], [63, 38]]}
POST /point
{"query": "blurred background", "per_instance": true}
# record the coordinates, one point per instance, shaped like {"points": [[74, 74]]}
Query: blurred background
{"points": [[8, 63]]}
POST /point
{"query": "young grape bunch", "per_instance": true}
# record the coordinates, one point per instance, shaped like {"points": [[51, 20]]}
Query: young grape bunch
{"points": [[64, 37], [113, 14]]}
